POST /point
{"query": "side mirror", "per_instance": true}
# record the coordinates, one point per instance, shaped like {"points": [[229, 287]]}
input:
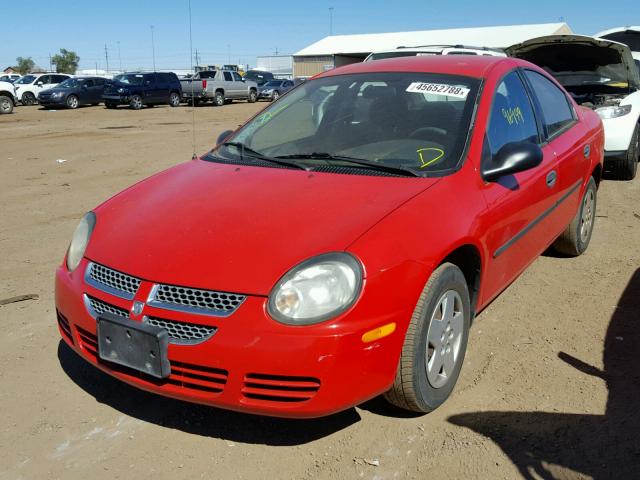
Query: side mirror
{"points": [[223, 136], [39, 84], [513, 158]]}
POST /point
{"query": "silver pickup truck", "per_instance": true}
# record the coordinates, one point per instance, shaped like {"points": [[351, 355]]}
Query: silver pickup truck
{"points": [[218, 86]]}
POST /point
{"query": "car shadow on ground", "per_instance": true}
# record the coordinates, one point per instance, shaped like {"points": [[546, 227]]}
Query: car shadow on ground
{"points": [[197, 419], [600, 446]]}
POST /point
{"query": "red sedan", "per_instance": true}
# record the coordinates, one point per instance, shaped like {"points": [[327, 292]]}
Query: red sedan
{"points": [[338, 245]]}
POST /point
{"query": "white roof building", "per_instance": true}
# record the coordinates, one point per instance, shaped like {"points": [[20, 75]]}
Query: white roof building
{"points": [[337, 50]]}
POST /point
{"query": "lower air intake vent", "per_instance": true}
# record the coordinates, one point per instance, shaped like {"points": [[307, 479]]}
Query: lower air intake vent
{"points": [[279, 388], [65, 328]]}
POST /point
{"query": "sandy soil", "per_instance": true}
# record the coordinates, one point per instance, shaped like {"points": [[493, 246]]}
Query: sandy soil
{"points": [[550, 387]]}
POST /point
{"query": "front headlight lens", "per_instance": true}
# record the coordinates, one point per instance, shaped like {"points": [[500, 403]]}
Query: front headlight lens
{"points": [[80, 240], [316, 290], [613, 112]]}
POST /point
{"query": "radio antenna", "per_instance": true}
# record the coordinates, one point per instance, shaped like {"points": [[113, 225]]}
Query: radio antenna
{"points": [[193, 102]]}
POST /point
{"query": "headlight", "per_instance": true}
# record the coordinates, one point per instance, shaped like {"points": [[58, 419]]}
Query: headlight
{"points": [[80, 240], [57, 94], [122, 90], [267, 91], [613, 112], [316, 290]]}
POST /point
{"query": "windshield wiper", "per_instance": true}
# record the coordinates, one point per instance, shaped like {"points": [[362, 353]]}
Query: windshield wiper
{"points": [[260, 156], [356, 161]]}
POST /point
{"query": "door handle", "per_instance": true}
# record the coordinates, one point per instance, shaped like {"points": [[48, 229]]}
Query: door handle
{"points": [[552, 176]]}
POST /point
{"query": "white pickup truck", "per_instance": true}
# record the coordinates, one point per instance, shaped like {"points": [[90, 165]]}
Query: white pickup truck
{"points": [[218, 86]]}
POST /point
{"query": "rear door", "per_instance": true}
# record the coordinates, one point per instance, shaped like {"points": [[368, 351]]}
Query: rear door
{"points": [[98, 89], [520, 220], [566, 138], [162, 88]]}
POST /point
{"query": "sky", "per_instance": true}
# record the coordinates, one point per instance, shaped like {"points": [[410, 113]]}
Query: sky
{"points": [[238, 31]]}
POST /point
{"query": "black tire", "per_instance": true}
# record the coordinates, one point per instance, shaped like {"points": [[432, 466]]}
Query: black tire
{"points": [[576, 237], [6, 105], [174, 99], [28, 98], [253, 96], [627, 167], [218, 99], [111, 105], [275, 95], [72, 102], [136, 102], [413, 389]]}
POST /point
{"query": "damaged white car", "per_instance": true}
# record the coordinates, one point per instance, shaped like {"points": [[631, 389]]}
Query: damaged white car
{"points": [[599, 74]]}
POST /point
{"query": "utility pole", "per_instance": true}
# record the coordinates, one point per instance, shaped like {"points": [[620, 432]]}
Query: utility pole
{"points": [[119, 57], [153, 48], [330, 20], [50, 64], [197, 57], [276, 51], [106, 56]]}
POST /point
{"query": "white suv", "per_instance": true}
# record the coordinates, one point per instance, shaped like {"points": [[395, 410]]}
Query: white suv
{"points": [[425, 50], [29, 86], [601, 75], [7, 97]]}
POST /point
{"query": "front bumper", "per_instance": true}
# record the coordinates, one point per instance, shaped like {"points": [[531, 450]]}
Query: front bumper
{"points": [[46, 101], [252, 363], [119, 99]]}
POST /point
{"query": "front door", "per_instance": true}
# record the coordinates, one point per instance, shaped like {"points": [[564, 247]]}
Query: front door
{"points": [[517, 218]]}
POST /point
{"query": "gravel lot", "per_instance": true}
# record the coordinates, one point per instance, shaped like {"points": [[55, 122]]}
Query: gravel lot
{"points": [[550, 387]]}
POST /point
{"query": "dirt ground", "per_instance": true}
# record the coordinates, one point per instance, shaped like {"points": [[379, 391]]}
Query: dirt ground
{"points": [[550, 387]]}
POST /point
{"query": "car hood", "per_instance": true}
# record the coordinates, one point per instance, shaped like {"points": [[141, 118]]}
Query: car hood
{"points": [[563, 55], [238, 228]]}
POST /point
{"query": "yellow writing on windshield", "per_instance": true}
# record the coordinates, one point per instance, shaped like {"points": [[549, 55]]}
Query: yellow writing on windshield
{"points": [[429, 155]]}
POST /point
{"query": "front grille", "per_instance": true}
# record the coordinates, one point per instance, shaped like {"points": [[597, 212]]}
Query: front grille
{"points": [[184, 376], [180, 332], [63, 322], [279, 388], [96, 307], [117, 283], [195, 300]]}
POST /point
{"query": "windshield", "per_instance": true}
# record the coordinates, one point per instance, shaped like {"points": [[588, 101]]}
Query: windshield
{"points": [[26, 79], [71, 83], [131, 79], [416, 121]]}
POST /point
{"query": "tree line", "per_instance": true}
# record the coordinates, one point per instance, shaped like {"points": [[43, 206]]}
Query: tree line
{"points": [[66, 62]]}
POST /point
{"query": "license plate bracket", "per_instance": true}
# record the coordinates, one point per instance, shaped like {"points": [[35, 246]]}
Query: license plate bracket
{"points": [[132, 344]]}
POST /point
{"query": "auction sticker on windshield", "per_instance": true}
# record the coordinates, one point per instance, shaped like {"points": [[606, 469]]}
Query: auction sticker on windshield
{"points": [[438, 89]]}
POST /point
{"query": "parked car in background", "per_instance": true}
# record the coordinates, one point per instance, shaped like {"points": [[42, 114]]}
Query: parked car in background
{"points": [[274, 88], [28, 87], [218, 86], [10, 77], [423, 50], [259, 76], [338, 245], [74, 92], [140, 89], [601, 75], [7, 97]]}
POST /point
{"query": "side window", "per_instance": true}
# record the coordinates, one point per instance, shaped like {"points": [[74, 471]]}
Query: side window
{"points": [[288, 84], [89, 83], [100, 82], [59, 78], [236, 76], [556, 110], [227, 76], [149, 79], [512, 118], [44, 79]]}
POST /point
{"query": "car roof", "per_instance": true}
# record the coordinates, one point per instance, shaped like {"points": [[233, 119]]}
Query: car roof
{"points": [[466, 65]]}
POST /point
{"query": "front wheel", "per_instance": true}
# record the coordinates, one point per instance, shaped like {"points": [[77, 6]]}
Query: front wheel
{"points": [[627, 167], [6, 104], [72, 102], [576, 237], [28, 98], [136, 102], [253, 96], [174, 99], [435, 343]]}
